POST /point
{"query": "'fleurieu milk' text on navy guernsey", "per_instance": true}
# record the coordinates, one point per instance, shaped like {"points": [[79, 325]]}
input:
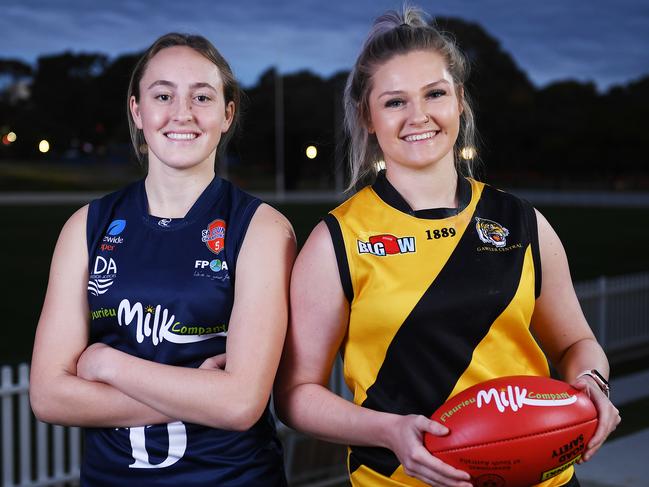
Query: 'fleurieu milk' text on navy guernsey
{"points": [[162, 289]]}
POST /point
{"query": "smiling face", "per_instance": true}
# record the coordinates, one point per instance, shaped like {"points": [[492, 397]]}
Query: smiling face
{"points": [[181, 109], [414, 111]]}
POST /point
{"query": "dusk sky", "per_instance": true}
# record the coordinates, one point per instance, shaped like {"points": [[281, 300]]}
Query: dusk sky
{"points": [[590, 40]]}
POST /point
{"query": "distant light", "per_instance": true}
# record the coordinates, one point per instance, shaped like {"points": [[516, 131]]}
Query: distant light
{"points": [[379, 165], [44, 146], [5, 140], [312, 152], [468, 153], [11, 137]]}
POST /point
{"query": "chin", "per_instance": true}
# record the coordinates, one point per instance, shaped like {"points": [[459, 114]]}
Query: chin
{"points": [[423, 161], [190, 164], [185, 161]]}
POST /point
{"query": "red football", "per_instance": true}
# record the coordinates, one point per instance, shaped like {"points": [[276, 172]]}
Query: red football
{"points": [[514, 431]]}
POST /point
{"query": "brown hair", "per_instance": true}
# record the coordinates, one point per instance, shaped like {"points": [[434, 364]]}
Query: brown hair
{"points": [[393, 34], [231, 89]]}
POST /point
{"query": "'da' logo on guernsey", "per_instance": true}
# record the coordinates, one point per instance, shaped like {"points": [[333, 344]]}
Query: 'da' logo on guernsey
{"points": [[159, 324], [386, 244], [103, 275], [214, 236], [112, 237]]}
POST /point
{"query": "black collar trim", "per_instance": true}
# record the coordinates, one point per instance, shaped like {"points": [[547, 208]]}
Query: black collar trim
{"points": [[391, 196]]}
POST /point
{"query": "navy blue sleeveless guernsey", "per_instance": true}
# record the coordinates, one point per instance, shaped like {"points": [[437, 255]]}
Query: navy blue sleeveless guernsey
{"points": [[162, 289]]}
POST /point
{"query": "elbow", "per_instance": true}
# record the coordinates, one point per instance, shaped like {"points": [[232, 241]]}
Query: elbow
{"points": [[243, 412], [42, 403], [243, 417], [49, 402]]}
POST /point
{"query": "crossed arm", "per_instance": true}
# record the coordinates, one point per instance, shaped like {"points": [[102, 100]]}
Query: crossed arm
{"points": [[103, 387]]}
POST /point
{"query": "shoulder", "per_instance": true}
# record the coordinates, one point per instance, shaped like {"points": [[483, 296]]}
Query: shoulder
{"points": [[318, 251], [320, 238], [499, 202], [269, 229], [236, 195], [76, 224], [269, 246], [103, 205], [354, 202], [269, 218], [547, 235], [501, 195], [71, 244], [117, 195]]}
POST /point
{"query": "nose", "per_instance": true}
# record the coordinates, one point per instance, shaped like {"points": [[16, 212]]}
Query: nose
{"points": [[418, 114], [183, 112]]}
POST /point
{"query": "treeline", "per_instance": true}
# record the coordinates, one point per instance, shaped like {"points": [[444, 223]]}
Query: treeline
{"points": [[564, 134]]}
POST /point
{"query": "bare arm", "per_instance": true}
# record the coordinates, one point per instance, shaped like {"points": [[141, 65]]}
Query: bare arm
{"points": [[236, 396], [560, 326], [319, 316], [57, 394]]}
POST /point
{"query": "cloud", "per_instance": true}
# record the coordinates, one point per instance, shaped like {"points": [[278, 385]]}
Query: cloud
{"points": [[553, 39]]}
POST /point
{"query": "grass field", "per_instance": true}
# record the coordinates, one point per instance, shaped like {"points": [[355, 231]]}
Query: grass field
{"points": [[598, 242]]}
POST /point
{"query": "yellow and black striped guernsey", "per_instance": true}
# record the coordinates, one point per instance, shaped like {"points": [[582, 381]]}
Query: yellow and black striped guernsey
{"points": [[440, 300]]}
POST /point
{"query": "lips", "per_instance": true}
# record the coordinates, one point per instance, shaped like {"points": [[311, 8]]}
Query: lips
{"points": [[181, 135], [422, 136]]}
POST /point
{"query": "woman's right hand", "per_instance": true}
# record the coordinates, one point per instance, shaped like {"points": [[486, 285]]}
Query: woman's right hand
{"points": [[407, 442]]}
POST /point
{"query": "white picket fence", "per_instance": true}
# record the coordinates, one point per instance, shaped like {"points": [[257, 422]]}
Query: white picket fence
{"points": [[33, 453], [617, 309], [36, 454]]}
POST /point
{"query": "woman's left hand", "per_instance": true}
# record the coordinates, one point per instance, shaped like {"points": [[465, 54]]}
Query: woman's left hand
{"points": [[214, 363], [90, 365], [608, 416]]}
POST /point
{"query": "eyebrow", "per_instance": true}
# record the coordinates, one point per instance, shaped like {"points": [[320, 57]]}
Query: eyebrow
{"points": [[193, 86], [428, 86]]}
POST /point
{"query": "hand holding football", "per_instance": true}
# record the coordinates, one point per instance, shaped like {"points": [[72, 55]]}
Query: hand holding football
{"points": [[514, 431]]}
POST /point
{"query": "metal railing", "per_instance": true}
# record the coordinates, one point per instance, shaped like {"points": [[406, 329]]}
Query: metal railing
{"points": [[617, 309], [36, 454], [33, 453]]}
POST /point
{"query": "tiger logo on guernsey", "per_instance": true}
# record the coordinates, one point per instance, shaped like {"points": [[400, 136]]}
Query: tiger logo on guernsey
{"points": [[491, 232]]}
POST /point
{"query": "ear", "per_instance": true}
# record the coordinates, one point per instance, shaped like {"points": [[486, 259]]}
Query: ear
{"points": [[369, 125], [230, 109], [366, 117], [135, 112]]}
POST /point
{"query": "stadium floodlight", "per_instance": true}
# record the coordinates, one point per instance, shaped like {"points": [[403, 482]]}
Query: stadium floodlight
{"points": [[312, 152], [468, 153]]}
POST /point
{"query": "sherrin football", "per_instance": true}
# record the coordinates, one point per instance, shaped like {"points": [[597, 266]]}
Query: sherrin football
{"points": [[514, 431]]}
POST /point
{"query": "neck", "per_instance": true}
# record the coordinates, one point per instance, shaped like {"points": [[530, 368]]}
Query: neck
{"points": [[171, 194], [431, 187]]}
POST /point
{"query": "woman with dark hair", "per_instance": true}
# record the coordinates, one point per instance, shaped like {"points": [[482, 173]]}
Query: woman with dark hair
{"points": [[160, 309], [427, 280]]}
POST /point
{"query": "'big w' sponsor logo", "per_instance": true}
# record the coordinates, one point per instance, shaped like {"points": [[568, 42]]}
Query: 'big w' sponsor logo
{"points": [[387, 244]]}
